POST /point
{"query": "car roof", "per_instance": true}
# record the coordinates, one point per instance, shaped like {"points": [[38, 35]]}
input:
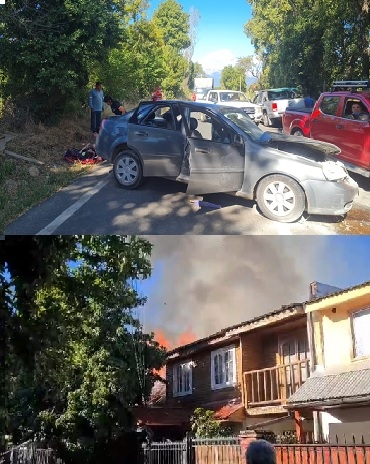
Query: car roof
{"points": [[189, 102]]}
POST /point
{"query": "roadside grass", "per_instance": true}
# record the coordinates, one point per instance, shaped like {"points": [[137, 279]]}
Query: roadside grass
{"points": [[24, 184]]}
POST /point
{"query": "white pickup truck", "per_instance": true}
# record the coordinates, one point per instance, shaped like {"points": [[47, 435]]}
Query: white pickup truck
{"points": [[232, 98], [272, 103]]}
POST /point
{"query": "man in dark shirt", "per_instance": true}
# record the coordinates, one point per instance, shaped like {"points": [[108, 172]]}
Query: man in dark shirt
{"points": [[116, 106]]}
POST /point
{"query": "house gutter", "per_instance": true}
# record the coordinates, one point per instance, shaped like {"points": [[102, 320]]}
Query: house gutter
{"points": [[317, 426]]}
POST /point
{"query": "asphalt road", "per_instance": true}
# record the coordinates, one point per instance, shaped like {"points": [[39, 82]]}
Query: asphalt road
{"points": [[95, 204]]}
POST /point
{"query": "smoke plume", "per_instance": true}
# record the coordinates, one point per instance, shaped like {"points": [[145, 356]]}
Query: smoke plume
{"points": [[203, 284]]}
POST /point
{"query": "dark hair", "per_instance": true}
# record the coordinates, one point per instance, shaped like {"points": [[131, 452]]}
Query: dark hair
{"points": [[260, 452], [107, 99], [98, 83]]}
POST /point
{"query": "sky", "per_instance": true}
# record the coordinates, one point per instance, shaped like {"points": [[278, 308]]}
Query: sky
{"points": [[220, 35], [202, 284]]}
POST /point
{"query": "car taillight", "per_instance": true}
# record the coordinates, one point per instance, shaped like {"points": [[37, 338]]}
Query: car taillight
{"points": [[274, 107]]}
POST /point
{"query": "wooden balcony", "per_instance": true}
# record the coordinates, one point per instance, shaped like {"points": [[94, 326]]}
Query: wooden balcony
{"points": [[273, 385]]}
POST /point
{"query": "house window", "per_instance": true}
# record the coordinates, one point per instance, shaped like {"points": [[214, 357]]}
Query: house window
{"points": [[223, 368], [182, 379], [361, 324]]}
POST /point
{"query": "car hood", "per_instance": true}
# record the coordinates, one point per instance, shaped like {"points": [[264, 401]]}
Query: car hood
{"points": [[304, 144]]}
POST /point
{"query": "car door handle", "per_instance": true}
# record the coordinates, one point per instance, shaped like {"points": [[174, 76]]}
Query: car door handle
{"points": [[141, 133], [202, 150], [339, 126]]}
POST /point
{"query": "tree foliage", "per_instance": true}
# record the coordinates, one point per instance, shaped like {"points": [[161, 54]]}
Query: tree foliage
{"points": [[54, 42], [233, 78], [205, 425], [71, 301], [310, 43], [63, 47]]}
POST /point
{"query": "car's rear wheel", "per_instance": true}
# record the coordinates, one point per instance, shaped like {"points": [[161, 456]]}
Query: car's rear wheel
{"points": [[127, 170], [297, 132], [266, 120], [280, 198]]}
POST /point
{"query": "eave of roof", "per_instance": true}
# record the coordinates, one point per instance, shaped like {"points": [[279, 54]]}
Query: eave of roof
{"points": [[340, 292], [233, 331]]}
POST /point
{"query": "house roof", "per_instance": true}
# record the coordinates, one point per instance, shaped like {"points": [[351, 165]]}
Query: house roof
{"points": [[331, 389], [225, 334], [226, 411], [340, 292], [156, 416]]}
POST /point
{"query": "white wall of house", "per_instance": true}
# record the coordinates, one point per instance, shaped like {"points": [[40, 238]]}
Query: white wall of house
{"points": [[346, 423]]}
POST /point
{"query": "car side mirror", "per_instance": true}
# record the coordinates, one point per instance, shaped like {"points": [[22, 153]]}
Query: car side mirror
{"points": [[238, 140]]}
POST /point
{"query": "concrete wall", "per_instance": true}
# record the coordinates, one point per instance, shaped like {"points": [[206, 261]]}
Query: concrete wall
{"points": [[346, 425]]}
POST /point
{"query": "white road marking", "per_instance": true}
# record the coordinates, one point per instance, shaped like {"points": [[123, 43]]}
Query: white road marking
{"points": [[52, 227]]}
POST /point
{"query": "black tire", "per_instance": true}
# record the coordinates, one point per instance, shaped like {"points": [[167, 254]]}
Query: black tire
{"points": [[127, 170], [297, 132], [266, 120], [280, 198]]}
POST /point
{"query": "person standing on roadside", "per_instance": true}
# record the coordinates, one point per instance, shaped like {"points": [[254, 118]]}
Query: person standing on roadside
{"points": [[157, 94], [96, 103], [116, 106]]}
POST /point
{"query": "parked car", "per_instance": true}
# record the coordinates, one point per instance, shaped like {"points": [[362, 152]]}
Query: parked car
{"points": [[285, 175], [271, 104], [332, 120], [233, 98]]}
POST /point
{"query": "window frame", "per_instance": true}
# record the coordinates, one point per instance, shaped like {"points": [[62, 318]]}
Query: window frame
{"points": [[326, 100], [224, 384], [354, 314], [182, 365]]}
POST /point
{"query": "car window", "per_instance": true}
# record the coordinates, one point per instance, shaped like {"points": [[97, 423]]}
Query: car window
{"points": [[206, 127], [329, 105], [162, 117], [355, 109], [244, 122]]}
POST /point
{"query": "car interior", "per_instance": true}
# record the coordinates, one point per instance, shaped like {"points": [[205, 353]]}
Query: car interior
{"points": [[363, 116]]}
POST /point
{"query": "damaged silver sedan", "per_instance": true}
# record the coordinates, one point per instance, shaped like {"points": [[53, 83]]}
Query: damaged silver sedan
{"points": [[220, 149]]}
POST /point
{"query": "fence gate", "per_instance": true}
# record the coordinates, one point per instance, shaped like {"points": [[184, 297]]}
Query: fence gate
{"points": [[167, 453]]}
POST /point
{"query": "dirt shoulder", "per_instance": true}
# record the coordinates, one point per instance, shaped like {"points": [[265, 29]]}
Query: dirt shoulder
{"points": [[32, 167]]}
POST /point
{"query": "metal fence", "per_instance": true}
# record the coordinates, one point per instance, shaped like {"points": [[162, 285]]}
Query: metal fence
{"points": [[28, 453], [216, 451]]}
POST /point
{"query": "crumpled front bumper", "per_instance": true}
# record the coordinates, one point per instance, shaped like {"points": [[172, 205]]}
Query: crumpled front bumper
{"points": [[330, 198]]}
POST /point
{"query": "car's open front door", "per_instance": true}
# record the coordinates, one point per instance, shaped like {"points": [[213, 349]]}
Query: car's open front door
{"points": [[214, 166]]}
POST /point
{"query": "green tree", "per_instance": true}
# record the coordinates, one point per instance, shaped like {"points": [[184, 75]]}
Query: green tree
{"points": [[55, 41], [295, 38], [233, 78], [71, 301], [173, 24], [137, 65], [204, 424]]}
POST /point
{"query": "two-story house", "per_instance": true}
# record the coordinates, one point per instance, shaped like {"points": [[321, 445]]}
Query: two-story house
{"points": [[245, 372], [338, 391]]}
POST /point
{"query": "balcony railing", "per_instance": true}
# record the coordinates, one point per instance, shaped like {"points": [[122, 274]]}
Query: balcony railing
{"points": [[273, 385]]}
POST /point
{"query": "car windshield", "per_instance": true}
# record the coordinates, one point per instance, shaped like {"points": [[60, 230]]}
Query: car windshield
{"points": [[233, 96], [244, 122]]}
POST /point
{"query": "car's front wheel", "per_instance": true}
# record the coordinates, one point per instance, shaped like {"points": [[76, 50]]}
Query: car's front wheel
{"points": [[280, 198], [297, 132], [127, 170]]}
